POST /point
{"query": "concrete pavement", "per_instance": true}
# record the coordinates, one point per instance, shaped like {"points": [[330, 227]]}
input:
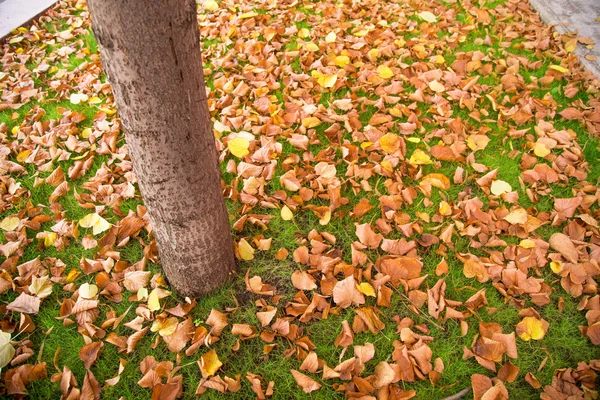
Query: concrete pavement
{"points": [[579, 17], [14, 13]]}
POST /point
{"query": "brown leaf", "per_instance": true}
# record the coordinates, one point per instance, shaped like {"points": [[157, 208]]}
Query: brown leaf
{"points": [[182, 335], [564, 245], [25, 303], [306, 383], [90, 352], [266, 315], [384, 375], [508, 372], [133, 340], [346, 336], [532, 380], [346, 293], [135, 280], [310, 363], [217, 321], [302, 280], [91, 388], [367, 236]]}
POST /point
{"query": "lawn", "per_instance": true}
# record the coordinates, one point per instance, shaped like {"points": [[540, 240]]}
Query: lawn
{"points": [[413, 193]]}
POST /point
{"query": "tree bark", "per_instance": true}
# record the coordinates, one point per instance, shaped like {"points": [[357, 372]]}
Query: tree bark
{"points": [[150, 51]]}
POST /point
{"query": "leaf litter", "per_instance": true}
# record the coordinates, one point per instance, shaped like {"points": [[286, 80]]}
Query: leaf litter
{"points": [[446, 131]]}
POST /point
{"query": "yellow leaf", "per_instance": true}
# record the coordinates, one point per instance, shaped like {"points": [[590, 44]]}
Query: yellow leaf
{"points": [[419, 51], [238, 147], [517, 216], [559, 68], [86, 133], [108, 111], [395, 111], [303, 33], [413, 139], [530, 328], [390, 143], [41, 287], [209, 363], [286, 213], [445, 209], [571, 45], [341, 61], [50, 239], [419, 157], [556, 267], [384, 72], [331, 37], [95, 100], [246, 251], [153, 302], [439, 60], [427, 16], [366, 289], [96, 222], [165, 327], [311, 47], [541, 150], [325, 218], [437, 180], [7, 351], [373, 54], [500, 187], [327, 81], [436, 86], [211, 5], [527, 244], [477, 142], [22, 156], [142, 293], [251, 14], [87, 291], [311, 122], [10, 223], [366, 145], [387, 165], [72, 275]]}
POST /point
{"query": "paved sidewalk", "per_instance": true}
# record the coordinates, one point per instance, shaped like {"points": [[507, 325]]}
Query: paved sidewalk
{"points": [[14, 13], [578, 16]]}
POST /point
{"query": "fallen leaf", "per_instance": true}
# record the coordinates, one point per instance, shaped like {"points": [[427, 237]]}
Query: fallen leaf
{"points": [[96, 222], [427, 16], [530, 328], [10, 223], [90, 352], [384, 72], [239, 147], [209, 363], [246, 251], [25, 303], [306, 383], [7, 351], [346, 293]]}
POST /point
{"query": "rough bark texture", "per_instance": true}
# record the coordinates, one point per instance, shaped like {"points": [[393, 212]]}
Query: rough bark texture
{"points": [[151, 53]]}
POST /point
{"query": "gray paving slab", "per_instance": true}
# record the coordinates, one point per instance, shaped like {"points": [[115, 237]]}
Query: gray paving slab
{"points": [[15, 13], [577, 17]]}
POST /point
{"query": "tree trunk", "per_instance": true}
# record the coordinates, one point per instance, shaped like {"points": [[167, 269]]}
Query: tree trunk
{"points": [[151, 53]]}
